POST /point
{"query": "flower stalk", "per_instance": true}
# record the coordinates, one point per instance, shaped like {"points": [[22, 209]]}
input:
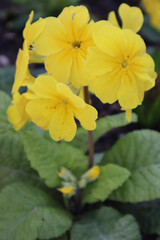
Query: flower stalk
{"points": [[90, 133]]}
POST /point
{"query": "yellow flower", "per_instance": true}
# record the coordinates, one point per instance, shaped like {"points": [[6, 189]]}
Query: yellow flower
{"points": [[64, 42], [131, 17], [22, 75], [53, 107], [16, 112], [123, 70], [66, 190], [94, 172], [153, 9]]}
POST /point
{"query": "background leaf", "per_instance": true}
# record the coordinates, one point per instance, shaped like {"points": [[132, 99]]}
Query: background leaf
{"points": [[103, 125], [139, 152], [107, 224], [48, 157], [111, 177], [27, 213]]}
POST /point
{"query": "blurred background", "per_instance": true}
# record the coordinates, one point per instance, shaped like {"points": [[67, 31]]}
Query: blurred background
{"points": [[14, 13]]}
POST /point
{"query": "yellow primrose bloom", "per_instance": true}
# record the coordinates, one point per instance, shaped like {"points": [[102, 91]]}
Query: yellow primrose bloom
{"points": [[123, 70], [153, 10], [64, 42], [16, 112], [66, 190], [94, 172], [53, 107], [131, 17], [22, 75]]}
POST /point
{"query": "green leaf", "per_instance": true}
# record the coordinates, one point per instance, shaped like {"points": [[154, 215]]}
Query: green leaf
{"points": [[103, 125], [139, 152], [7, 78], [105, 224], [147, 214], [48, 157], [14, 165], [27, 213], [111, 177], [5, 102]]}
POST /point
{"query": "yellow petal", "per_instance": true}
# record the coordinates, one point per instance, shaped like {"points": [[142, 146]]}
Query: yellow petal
{"points": [[74, 19], [110, 40], [87, 117], [112, 18], [41, 111], [128, 95], [62, 125], [136, 45], [16, 113], [21, 68], [98, 62], [71, 98], [79, 76], [32, 31], [44, 87], [59, 65], [106, 87], [52, 39], [132, 17]]}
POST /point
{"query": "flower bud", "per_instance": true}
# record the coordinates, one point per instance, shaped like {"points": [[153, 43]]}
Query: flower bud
{"points": [[90, 176], [66, 175]]}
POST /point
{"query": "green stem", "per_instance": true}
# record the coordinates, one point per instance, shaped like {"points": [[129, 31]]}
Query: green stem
{"points": [[90, 133]]}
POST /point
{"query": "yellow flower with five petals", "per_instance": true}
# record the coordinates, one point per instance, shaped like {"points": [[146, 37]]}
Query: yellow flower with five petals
{"points": [[64, 43], [121, 67], [53, 107]]}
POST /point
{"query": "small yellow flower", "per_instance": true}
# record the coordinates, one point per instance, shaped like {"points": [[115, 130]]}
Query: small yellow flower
{"points": [[16, 112], [94, 172], [53, 107], [64, 42], [131, 17], [122, 69], [153, 10], [66, 190]]}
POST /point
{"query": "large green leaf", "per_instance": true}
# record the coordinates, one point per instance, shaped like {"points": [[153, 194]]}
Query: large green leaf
{"points": [[14, 165], [48, 157], [111, 177], [139, 152], [103, 125], [105, 224], [27, 213]]}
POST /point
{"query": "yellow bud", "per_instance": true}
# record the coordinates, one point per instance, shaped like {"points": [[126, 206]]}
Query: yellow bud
{"points": [[66, 190], [94, 172]]}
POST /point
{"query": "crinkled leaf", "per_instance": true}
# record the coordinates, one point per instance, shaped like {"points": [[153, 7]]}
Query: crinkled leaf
{"points": [[48, 157], [27, 213], [103, 125], [105, 224], [111, 177], [139, 152]]}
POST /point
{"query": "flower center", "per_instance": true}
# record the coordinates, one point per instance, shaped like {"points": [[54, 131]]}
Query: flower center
{"points": [[125, 64], [76, 44], [65, 101]]}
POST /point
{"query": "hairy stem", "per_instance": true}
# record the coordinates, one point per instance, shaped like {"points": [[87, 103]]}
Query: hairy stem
{"points": [[90, 133]]}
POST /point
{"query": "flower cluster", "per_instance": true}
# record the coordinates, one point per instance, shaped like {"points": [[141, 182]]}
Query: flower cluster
{"points": [[77, 53], [153, 10]]}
